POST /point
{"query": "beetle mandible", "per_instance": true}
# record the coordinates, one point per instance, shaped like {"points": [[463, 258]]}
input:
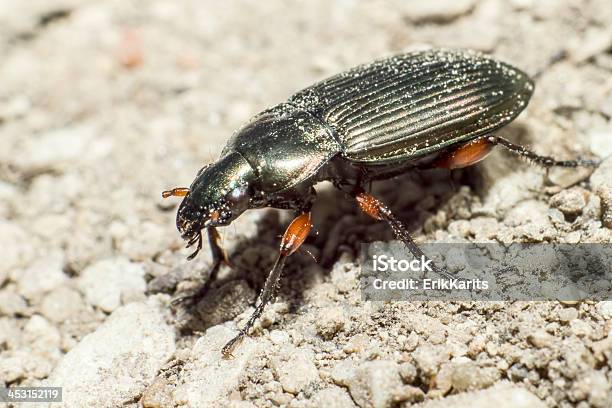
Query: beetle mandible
{"points": [[435, 108]]}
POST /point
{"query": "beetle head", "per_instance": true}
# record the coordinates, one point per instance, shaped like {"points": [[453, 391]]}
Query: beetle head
{"points": [[218, 195]]}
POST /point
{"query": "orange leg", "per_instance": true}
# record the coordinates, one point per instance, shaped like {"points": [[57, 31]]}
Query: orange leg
{"points": [[465, 155], [294, 236], [476, 150], [379, 211]]}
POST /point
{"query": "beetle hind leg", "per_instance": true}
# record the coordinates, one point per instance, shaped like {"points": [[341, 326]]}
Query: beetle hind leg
{"points": [[544, 161], [474, 151]]}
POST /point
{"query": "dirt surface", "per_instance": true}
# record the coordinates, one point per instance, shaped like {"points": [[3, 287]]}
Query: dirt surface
{"points": [[106, 104]]}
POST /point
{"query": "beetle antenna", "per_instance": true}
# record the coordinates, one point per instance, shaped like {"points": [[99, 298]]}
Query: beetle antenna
{"points": [[176, 192]]}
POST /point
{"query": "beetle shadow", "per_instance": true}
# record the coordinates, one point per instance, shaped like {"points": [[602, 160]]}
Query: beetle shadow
{"points": [[339, 228]]}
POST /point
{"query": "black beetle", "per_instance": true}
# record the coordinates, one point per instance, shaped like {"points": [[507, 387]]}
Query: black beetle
{"points": [[434, 108]]}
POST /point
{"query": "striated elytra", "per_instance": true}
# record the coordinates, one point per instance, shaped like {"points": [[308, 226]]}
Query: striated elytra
{"points": [[434, 108]]}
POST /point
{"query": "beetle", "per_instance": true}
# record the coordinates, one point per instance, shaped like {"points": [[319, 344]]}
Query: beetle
{"points": [[433, 108]]}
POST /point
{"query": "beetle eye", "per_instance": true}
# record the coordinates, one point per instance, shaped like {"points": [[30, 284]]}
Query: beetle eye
{"points": [[238, 198]]}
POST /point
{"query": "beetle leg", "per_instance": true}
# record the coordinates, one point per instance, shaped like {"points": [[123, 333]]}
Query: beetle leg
{"points": [[465, 155], [379, 211], [219, 256], [294, 236], [545, 161], [217, 249]]}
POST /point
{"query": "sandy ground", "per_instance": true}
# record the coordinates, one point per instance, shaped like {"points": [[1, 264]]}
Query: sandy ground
{"points": [[106, 104]]}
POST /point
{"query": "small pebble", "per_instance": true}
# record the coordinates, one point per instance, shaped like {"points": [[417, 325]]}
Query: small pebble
{"points": [[11, 304], [333, 397], [570, 202], [375, 383], [468, 376], [294, 368], [580, 328], [279, 336], [43, 276], [567, 314], [540, 339], [605, 309], [107, 282], [61, 304], [330, 321]]}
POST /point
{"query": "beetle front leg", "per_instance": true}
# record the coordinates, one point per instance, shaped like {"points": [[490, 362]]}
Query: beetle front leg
{"points": [[294, 236], [219, 256], [379, 211]]}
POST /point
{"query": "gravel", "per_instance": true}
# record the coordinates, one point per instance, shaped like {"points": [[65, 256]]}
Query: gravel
{"points": [[115, 363], [207, 378], [111, 282], [502, 395], [106, 104]]}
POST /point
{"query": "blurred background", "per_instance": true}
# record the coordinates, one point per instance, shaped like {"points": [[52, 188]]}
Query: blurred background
{"points": [[104, 104]]}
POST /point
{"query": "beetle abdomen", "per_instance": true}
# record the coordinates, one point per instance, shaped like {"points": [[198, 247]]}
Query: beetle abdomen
{"points": [[410, 105]]}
